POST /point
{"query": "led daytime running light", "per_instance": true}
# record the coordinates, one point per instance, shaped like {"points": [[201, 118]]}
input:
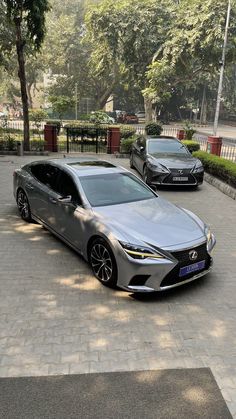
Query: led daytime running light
{"points": [[140, 252]]}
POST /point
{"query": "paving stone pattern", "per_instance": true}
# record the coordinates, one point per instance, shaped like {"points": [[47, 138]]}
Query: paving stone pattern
{"points": [[56, 318]]}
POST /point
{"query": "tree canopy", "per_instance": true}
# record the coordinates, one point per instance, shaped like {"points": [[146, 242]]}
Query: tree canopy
{"points": [[166, 51]]}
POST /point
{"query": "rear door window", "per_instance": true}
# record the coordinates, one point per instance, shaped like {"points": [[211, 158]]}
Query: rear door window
{"points": [[51, 177], [66, 187], [38, 171]]}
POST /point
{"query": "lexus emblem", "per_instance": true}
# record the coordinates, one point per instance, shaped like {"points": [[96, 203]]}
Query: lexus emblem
{"points": [[180, 171], [193, 255]]}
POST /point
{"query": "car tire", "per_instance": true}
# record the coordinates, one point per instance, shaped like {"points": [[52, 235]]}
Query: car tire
{"points": [[23, 206], [131, 163], [103, 263]]}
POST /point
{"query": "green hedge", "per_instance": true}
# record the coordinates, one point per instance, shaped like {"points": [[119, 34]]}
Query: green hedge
{"points": [[126, 144], [191, 145], [88, 128], [219, 167], [56, 122]]}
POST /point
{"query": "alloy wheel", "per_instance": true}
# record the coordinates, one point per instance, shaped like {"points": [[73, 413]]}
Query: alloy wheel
{"points": [[101, 262], [23, 206]]}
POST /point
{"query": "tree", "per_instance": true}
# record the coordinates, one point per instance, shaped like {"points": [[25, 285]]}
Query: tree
{"points": [[190, 57], [61, 104], [26, 20], [125, 36]]}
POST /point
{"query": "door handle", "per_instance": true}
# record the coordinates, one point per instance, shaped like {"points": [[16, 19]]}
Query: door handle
{"points": [[29, 186], [53, 200]]}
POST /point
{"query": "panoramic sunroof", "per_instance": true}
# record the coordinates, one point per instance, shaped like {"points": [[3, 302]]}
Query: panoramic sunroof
{"points": [[99, 163]]}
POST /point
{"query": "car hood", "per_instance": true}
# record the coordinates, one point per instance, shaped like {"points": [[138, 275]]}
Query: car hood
{"points": [[174, 162], [155, 221]]}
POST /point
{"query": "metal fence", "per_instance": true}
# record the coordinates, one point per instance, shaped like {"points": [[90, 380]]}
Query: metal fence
{"points": [[166, 130], [228, 149], [92, 139], [86, 139], [19, 125]]}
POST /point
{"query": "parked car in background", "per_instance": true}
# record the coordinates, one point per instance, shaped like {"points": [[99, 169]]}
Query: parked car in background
{"points": [[140, 114], [131, 237], [101, 118], [120, 116], [130, 118], [165, 161]]}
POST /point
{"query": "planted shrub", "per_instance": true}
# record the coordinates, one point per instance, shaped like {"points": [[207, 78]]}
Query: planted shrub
{"points": [[219, 167], [77, 128], [126, 131], [153, 129], [126, 144], [191, 145], [189, 131]]}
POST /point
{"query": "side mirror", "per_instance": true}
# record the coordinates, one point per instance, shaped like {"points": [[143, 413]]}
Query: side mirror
{"points": [[142, 149], [65, 199]]}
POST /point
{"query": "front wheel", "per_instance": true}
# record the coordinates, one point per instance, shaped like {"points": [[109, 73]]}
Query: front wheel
{"points": [[103, 262], [23, 206]]}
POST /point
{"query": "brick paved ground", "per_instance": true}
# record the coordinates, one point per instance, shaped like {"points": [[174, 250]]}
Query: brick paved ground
{"points": [[56, 318]]}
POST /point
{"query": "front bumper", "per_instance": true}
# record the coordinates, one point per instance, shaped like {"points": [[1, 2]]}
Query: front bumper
{"points": [[167, 179], [148, 275]]}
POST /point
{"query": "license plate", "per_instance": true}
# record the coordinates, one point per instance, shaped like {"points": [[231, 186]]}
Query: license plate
{"points": [[198, 266], [180, 178]]}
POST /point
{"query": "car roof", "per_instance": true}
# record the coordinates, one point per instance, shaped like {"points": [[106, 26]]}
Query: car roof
{"points": [[162, 137], [85, 166]]}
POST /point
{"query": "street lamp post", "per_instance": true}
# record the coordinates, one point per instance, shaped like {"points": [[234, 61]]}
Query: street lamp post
{"points": [[76, 101], [218, 101]]}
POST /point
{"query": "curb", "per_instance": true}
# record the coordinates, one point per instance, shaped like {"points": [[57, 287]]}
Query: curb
{"points": [[219, 184]]}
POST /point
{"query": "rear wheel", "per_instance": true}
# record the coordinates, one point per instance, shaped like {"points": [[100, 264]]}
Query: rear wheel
{"points": [[23, 206], [103, 262]]}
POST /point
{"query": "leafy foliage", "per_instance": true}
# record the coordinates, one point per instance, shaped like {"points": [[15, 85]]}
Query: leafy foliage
{"points": [[126, 144], [61, 104], [191, 145], [192, 49], [219, 167], [153, 129]]}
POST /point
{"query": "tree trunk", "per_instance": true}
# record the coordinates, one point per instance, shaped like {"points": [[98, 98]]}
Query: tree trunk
{"points": [[30, 99], [203, 107], [22, 77], [148, 109]]}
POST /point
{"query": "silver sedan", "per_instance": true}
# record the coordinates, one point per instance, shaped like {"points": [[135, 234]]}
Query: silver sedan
{"points": [[131, 237]]}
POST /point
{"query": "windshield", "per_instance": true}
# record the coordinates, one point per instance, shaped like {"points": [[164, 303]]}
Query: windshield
{"points": [[166, 146], [114, 188]]}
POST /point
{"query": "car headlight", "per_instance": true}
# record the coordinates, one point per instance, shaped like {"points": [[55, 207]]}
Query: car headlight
{"points": [[158, 168], [198, 168], [137, 252]]}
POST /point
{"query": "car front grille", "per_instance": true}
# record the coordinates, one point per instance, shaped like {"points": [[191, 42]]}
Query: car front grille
{"points": [[183, 255], [180, 173], [184, 260]]}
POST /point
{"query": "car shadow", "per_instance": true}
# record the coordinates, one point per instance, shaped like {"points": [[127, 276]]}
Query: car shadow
{"points": [[171, 294]]}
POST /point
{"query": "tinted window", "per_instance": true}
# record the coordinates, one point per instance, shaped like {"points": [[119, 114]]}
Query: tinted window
{"points": [[66, 187], [38, 171], [51, 177], [114, 188], [166, 146]]}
